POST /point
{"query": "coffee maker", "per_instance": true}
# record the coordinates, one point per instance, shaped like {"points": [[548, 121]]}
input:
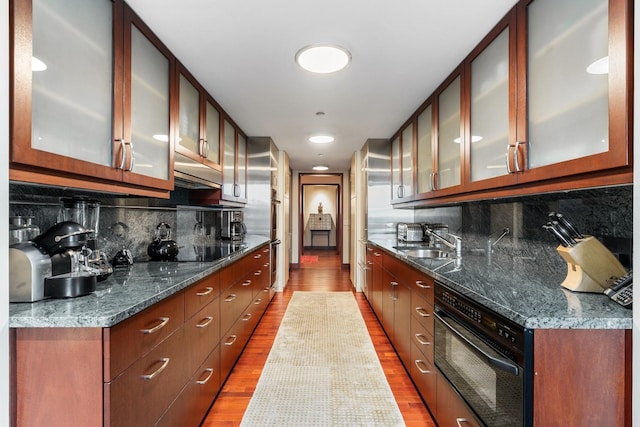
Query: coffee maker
{"points": [[232, 227], [52, 265], [86, 212]]}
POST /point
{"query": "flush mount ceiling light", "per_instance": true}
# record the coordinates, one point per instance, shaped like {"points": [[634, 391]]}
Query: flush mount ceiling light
{"points": [[323, 58], [320, 168], [321, 139], [601, 66]]}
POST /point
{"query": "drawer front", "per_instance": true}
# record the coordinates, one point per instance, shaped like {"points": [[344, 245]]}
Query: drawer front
{"points": [[451, 410], [423, 285], [423, 373], [231, 346], [200, 294], [422, 339], [131, 339], [203, 333], [422, 311], [141, 394], [234, 301], [193, 403]]}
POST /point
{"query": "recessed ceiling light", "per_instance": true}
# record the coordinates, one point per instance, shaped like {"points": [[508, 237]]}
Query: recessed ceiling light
{"points": [[601, 66], [37, 64], [323, 58], [320, 168], [321, 139]]}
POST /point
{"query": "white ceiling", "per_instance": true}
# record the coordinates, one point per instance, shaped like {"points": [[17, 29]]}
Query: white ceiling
{"points": [[242, 52]]}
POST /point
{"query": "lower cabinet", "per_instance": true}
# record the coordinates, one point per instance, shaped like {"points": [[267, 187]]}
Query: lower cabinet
{"points": [[164, 366], [451, 411]]}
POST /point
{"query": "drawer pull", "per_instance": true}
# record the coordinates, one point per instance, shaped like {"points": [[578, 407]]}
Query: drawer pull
{"points": [[231, 340], [257, 273], [162, 324], [149, 377], [257, 256], [230, 298], [377, 254], [246, 317], [206, 380], [418, 364], [422, 312], [205, 322], [265, 265], [258, 301], [421, 284], [461, 421], [206, 291], [422, 340], [246, 283]]}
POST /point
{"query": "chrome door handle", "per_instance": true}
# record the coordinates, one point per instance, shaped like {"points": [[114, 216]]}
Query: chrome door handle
{"points": [[418, 363], [509, 171], [165, 362], [162, 324], [421, 339], [204, 381], [516, 163]]}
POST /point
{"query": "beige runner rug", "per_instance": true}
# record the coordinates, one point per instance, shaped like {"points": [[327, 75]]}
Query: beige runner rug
{"points": [[322, 369]]}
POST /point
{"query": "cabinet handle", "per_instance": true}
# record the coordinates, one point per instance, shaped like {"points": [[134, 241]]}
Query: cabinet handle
{"points": [[206, 291], [162, 324], [420, 284], [370, 249], [422, 312], [419, 362], [461, 421], [431, 181], [377, 254], [434, 181], [233, 339], [516, 151], [265, 265], [205, 322], [258, 273], [257, 256], [230, 298], [123, 156], [132, 156], [421, 339], [206, 380], [509, 171], [246, 282], [246, 317], [259, 300], [393, 290], [165, 362]]}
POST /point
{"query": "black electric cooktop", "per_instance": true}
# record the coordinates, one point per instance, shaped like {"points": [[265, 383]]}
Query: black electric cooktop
{"points": [[208, 252]]}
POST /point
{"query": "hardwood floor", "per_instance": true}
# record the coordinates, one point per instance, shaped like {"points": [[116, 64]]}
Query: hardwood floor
{"points": [[325, 275]]}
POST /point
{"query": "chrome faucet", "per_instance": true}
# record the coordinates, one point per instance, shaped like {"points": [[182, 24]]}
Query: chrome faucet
{"points": [[490, 244], [457, 241]]}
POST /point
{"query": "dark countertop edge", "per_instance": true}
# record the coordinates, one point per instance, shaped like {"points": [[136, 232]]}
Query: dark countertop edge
{"points": [[87, 321], [539, 321]]}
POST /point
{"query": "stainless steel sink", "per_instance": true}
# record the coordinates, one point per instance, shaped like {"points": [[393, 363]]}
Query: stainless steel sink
{"points": [[422, 252]]}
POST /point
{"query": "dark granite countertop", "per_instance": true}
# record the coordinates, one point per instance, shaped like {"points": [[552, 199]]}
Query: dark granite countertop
{"points": [[524, 289], [125, 293]]}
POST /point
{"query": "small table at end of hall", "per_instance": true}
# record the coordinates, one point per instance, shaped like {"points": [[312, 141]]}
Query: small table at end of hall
{"points": [[320, 224]]}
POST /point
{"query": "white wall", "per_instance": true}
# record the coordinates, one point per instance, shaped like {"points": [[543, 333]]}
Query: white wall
{"points": [[4, 212], [328, 196]]}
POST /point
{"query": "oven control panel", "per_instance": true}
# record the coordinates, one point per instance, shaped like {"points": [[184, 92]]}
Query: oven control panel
{"points": [[494, 327]]}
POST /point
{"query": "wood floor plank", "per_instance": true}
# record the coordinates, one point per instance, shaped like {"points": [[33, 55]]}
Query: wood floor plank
{"points": [[325, 275]]}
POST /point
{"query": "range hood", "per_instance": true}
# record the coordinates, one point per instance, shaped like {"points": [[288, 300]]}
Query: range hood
{"points": [[191, 174]]}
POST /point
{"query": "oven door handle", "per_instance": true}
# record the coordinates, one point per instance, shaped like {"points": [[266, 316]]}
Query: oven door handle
{"points": [[497, 362]]}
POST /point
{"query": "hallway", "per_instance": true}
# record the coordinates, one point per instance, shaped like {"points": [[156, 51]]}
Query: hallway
{"points": [[324, 275]]}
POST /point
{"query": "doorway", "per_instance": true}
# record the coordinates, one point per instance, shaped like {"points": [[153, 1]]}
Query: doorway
{"points": [[319, 217]]}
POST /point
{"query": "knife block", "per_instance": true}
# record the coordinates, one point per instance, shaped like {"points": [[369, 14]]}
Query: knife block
{"points": [[591, 267]]}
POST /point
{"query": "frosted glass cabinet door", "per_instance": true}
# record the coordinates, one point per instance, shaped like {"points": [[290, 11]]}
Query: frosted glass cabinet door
{"points": [[212, 133], [396, 177], [229, 164], [490, 110], [567, 93], [189, 129], [407, 161], [425, 151], [241, 187], [72, 79], [449, 138], [149, 108]]}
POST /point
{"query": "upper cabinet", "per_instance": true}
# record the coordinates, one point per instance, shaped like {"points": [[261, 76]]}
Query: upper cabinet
{"points": [[402, 164], [197, 146], [544, 100], [234, 164], [91, 94], [575, 117]]}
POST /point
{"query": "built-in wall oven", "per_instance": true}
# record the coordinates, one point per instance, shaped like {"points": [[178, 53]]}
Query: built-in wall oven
{"points": [[275, 241], [485, 358]]}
